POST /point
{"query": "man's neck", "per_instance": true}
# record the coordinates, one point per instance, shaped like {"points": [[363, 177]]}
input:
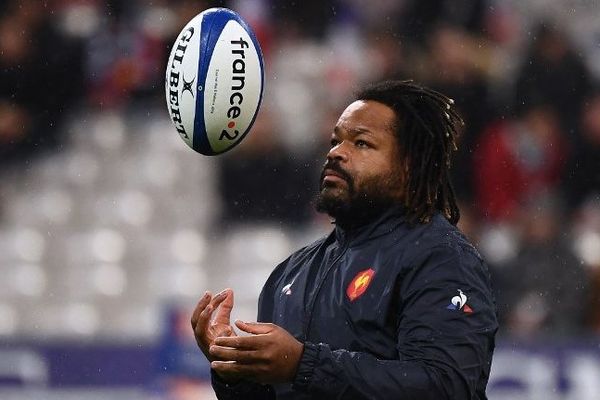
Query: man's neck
{"points": [[356, 219]]}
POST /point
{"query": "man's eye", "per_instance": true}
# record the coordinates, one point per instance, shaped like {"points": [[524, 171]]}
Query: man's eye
{"points": [[334, 142], [361, 143]]}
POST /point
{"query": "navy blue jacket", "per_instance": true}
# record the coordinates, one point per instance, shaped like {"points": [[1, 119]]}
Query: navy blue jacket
{"points": [[386, 311]]}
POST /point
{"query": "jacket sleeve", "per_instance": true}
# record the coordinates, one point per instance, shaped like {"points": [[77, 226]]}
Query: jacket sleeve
{"points": [[444, 339], [246, 390]]}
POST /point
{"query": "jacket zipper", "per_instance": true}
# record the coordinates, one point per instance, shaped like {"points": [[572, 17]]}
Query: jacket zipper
{"points": [[309, 309]]}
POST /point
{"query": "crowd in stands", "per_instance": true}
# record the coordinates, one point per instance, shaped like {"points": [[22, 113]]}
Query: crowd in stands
{"points": [[522, 75]]}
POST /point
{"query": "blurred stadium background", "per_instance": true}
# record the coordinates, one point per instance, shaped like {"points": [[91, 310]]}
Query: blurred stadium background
{"points": [[111, 228]]}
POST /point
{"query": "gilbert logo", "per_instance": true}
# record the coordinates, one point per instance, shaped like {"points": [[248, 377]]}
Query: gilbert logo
{"points": [[188, 86], [359, 284], [173, 79]]}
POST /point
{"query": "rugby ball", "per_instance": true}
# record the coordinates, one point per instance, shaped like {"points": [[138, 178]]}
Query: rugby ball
{"points": [[214, 81]]}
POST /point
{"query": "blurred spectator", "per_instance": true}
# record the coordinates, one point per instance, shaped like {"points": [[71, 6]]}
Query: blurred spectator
{"points": [[554, 72], [545, 289], [518, 160], [422, 16], [457, 66], [314, 16], [582, 178], [298, 92], [260, 181], [385, 55], [381, 15], [126, 59], [40, 78], [586, 243]]}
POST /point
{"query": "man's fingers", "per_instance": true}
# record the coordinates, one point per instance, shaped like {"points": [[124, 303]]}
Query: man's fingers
{"points": [[232, 369], [203, 321], [202, 303], [203, 312], [241, 342], [256, 328], [224, 312], [229, 354], [218, 299]]}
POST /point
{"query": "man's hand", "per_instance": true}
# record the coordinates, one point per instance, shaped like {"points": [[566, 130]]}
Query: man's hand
{"points": [[269, 355], [205, 330]]}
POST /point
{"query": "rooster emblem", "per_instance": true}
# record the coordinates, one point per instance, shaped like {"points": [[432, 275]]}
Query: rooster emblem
{"points": [[459, 302], [359, 284]]}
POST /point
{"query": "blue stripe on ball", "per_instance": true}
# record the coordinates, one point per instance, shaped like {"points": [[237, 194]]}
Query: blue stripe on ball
{"points": [[213, 23]]}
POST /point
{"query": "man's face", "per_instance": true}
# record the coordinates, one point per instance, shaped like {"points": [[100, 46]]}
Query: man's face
{"points": [[363, 174]]}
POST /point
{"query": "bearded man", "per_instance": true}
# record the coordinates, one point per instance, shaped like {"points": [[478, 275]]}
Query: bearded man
{"points": [[394, 303]]}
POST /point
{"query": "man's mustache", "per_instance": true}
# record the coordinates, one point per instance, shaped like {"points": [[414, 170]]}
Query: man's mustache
{"points": [[335, 167]]}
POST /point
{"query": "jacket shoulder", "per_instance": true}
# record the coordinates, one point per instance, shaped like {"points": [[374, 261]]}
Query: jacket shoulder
{"points": [[442, 235], [294, 259], [434, 242], [305, 252]]}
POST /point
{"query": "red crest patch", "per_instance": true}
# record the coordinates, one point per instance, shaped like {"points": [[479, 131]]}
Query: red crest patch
{"points": [[359, 284]]}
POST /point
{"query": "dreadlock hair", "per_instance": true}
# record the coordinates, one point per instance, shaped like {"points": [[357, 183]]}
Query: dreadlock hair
{"points": [[427, 128]]}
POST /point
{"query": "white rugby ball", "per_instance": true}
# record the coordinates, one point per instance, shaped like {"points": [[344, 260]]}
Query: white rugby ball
{"points": [[214, 81]]}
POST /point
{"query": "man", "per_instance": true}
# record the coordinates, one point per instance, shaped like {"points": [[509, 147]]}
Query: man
{"points": [[394, 303]]}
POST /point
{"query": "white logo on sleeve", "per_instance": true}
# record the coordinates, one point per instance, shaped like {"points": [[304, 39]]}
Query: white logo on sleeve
{"points": [[287, 289], [459, 302]]}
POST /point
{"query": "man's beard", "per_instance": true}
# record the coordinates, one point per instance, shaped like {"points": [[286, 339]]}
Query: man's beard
{"points": [[358, 206]]}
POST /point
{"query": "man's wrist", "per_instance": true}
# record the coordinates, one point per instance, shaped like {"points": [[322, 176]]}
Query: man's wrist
{"points": [[306, 366], [223, 380]]}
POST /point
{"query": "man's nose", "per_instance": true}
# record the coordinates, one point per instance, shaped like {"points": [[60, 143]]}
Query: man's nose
{"points": [[338, 152]]}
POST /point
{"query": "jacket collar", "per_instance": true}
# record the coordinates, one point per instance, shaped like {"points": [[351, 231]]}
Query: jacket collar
{"points": [[382, 225]]}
